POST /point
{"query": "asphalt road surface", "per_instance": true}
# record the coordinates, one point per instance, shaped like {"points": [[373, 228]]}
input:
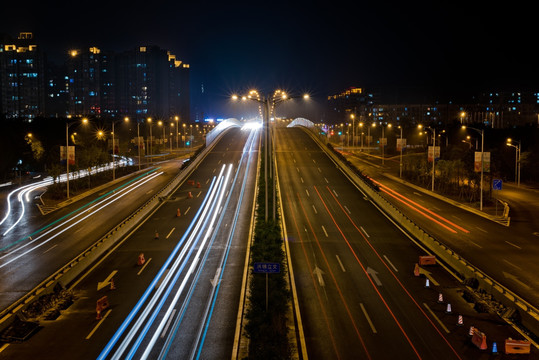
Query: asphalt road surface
{"points": [[353, 268], [80, 333]]}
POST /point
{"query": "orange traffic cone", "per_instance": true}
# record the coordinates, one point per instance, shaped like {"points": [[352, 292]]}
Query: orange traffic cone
{"points": [[141, 259], [156, 235], [427, 284], [98, 310], [198, 184], [470, 332], [112, 286], [189, 196], [448, 310], [178, 213], [440, 298], [460, 322], [416, 269]]}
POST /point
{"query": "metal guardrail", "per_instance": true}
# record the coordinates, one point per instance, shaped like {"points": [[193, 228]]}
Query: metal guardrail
{"points": [[529, 314]]}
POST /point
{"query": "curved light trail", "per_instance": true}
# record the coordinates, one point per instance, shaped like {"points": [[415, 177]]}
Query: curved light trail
{"points": [[70, 221], [140, 333]]}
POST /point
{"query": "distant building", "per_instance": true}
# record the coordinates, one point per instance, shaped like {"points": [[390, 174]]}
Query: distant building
{"points": [[22, 77], [140, 83], [494, 110], [352, 101]]}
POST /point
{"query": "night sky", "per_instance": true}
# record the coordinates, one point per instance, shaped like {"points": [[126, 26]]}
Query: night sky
{"points": [[406, 51]]}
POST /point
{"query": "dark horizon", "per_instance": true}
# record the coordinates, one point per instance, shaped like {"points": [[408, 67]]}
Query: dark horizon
{"points": [[415, 51]]}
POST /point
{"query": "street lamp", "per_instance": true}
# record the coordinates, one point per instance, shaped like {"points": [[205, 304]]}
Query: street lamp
{"points": [[433, 150], [68, 124], [151, 138], [382, 142], [138, 140], [268, 105], [517, 159], [126, 119], [401, 146], [176, 118], [482, 132]]}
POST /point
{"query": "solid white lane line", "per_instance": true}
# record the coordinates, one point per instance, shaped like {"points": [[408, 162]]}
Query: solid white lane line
{"points": [[367, 317]]}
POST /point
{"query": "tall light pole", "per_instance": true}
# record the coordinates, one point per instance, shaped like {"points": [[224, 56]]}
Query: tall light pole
{"points": [[151, 138], [433, 151], [382, 142], [68, 124], [400, 163], [267, 104], [176, 118], [138, 142], [517, 159], [482, 132], [126, 119], [353, 129]]}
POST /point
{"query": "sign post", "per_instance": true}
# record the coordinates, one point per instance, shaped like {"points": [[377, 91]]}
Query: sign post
{"points": [[266, 268], [497, 185]]}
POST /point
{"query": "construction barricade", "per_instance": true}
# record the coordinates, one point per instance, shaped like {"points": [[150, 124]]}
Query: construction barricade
{"points": [[517, 346], [479, 339], [427, 260]]}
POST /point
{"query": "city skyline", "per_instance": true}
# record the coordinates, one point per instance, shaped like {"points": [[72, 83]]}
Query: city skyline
{"points": [[419, 49]]}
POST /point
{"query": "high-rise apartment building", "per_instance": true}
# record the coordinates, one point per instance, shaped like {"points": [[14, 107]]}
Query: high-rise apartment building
{"points": [[22, 83]]}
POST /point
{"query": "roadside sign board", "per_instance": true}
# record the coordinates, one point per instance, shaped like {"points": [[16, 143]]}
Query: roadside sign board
{"points": [[266, 267], [497, 184]]}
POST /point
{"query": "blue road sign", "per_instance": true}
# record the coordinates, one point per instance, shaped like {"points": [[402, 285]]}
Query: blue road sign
{"points": [[497, 184], [266, 267]]}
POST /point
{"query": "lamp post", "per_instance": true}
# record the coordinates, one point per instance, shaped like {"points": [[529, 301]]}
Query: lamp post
{"points": [[482, 132], [68, 124], [400, 163], [267, 103], [126, 119], [517, 159], [176, 118], [138, 142], [433, 152], [353, 130], [151, 138], [382, 142]]}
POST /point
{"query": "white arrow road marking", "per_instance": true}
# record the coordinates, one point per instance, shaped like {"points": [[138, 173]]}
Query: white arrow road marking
{"points": [[215, 279], [428, 275], [374, 275], [101, 285], [318, 273]]}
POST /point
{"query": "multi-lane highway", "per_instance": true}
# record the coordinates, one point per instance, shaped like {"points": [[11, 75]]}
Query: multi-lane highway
{"points": [[358, 295], [182, 299], [506, 253]]}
